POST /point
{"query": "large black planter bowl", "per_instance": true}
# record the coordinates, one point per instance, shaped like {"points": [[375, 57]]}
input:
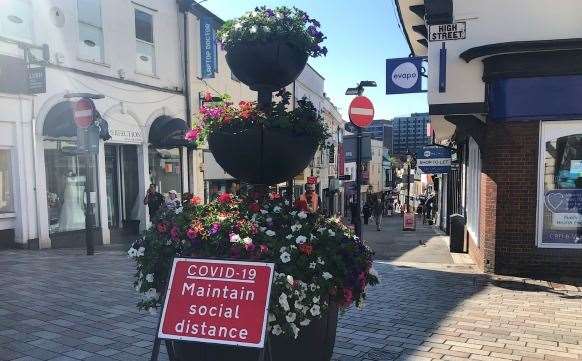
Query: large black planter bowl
{"points": [[261, 155], [315, 343], [266, 66]]}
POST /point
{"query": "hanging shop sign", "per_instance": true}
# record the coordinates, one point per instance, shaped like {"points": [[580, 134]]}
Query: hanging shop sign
{"points": [[217, 301], [36, 78], [349, 145], [208, 48], [447, 32], [404, 75], [433, 159]]}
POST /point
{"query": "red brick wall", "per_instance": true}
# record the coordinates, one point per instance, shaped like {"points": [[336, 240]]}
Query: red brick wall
{"points": [[508, 206]]}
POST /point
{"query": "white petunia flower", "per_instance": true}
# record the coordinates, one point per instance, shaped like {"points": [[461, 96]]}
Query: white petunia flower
{"points": [[285, 257], [272, 318], [293, 246], [312, 237], [132, 253], [300, 239], [298, 305], [277, 330], [269, 220], [286, 203], [320, 261], [321, 230], [305, 322], [312, 265], [291, 317], [283, 249], [235, 238], [149, 277], [327, 275], [331, 233], [313, 287], [140, 251], [283, 302], [315, 310], [277, 209], [237, 26], [289, 236], [296, 227], [293, 213], [263, 211], [247, 240], [295, 330], [302, 215], [263, 229], [178, 210], [270, 233], [266, 29], [290, 280], [316, 299]]}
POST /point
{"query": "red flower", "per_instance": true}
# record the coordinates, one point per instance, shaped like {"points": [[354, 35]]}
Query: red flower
{"points": [[246, 109], [225, 198], [306, 249], [255, 207], [208, 96], [348, 296], [162, 228], [195, 200], [274, 196], [175, 232], [191, 233], [263, 248]]}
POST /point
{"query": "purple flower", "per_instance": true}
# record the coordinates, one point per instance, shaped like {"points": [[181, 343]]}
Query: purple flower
{"points": [[315, 23], [312, 30], [214, 229], [270, 13]]}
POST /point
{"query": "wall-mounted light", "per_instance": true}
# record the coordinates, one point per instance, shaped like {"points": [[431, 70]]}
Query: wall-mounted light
{"points": [[15, 19], [89, 43]]}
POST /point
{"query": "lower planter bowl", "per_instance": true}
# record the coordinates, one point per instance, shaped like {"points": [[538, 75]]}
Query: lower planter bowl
{"points": [[261, 155], [315, 343]]}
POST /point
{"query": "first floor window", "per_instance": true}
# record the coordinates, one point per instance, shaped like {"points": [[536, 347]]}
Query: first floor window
{"points": [[16, 20], [65, 183], [90, 30], [6, 193], [473, 196], [144, 42], [560, 179]]}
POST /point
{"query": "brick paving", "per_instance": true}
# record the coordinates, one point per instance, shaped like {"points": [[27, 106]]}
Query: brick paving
{"points": [[62, 305]]}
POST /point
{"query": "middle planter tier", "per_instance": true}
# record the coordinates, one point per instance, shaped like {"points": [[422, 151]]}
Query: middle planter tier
{"points": [[261, 155]]}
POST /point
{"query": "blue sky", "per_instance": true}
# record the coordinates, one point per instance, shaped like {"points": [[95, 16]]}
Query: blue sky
{"points": [[360, 34]]}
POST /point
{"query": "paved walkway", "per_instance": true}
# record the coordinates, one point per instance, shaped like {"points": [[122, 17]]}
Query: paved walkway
{"points": [[63, 305]]}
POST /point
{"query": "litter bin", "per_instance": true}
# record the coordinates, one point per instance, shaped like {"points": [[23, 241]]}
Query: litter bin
{"points": [[457, 244]]}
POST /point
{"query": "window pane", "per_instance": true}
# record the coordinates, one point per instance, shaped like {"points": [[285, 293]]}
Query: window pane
{"points": [[16, 20], [90, 43], [144, 28], [562, 214], [90, 12], [6, 196], [166, 170], [65, 178], [145, 58]]}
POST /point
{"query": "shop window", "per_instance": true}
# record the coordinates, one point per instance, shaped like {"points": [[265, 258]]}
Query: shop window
{"points": [[144, 38], [90, 30], [16, 20], [560, 177], [473, 196], [65, 177], [166, 169], [6, 187]]}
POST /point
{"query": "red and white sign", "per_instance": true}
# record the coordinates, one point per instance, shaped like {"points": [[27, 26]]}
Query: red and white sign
{"points": [[83, 112], [217, 301], [361, 111], [409, 222]]}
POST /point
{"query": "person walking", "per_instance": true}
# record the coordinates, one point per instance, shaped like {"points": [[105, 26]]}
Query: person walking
{"points": [[378, 213], [366, 211], [173, 202], [153, 200]]}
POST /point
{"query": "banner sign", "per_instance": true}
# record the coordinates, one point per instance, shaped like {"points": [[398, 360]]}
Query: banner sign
{"points": [[217, 301], [208, 48], [433, 159], [350, 144], [404, 75], [446, 32]]}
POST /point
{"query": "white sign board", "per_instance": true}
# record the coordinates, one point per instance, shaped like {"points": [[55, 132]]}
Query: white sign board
{"points": [[447, 32]]}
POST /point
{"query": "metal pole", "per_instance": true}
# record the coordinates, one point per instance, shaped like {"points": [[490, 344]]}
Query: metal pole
{"points": [[358, 220], [89, 213], [408, 189]]}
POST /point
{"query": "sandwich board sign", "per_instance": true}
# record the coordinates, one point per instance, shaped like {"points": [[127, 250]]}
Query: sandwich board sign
{"points": [[217, 301]]}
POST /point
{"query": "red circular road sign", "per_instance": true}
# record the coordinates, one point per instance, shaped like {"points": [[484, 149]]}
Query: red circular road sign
{"points": [[84, 112], [361, 111]]}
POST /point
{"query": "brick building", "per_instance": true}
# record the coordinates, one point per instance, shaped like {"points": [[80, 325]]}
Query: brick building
{"points": [[510, 107]]}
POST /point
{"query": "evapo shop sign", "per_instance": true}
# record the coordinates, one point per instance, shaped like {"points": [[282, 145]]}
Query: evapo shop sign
{"points": [[433, 159], [404, 75], [217, 301]]}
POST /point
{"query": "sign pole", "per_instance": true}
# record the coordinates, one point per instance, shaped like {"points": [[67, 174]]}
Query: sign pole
{"points": [[358, 222], [89, 212]]}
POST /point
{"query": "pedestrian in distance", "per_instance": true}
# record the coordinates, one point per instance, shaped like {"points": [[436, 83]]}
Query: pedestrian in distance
{"points": [[378, 213], [173, 202], [366, 211], [153, 200]]}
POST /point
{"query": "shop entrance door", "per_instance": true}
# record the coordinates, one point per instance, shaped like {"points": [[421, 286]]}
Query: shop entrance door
{"points": [[122, 188]]}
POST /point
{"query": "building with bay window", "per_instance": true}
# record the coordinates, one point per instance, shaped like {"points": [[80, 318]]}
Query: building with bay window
{"points": [[508, 102]]}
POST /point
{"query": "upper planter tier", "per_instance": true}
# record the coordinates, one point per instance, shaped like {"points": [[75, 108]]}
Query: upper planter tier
{"points": [[266, 66]]}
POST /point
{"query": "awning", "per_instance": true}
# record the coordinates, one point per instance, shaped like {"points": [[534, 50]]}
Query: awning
{"points": [[59, 121], [167, 132]]}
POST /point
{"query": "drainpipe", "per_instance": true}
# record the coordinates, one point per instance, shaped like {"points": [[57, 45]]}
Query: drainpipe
{"points": [[184, 5]]}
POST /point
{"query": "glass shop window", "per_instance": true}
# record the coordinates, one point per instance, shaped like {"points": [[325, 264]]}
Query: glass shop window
{"points": [[6, 189], [166, 169]]}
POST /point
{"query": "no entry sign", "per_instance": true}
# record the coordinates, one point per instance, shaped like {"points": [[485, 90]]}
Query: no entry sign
{"points": [[361, 111], [216, 301], [84, 113]]}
